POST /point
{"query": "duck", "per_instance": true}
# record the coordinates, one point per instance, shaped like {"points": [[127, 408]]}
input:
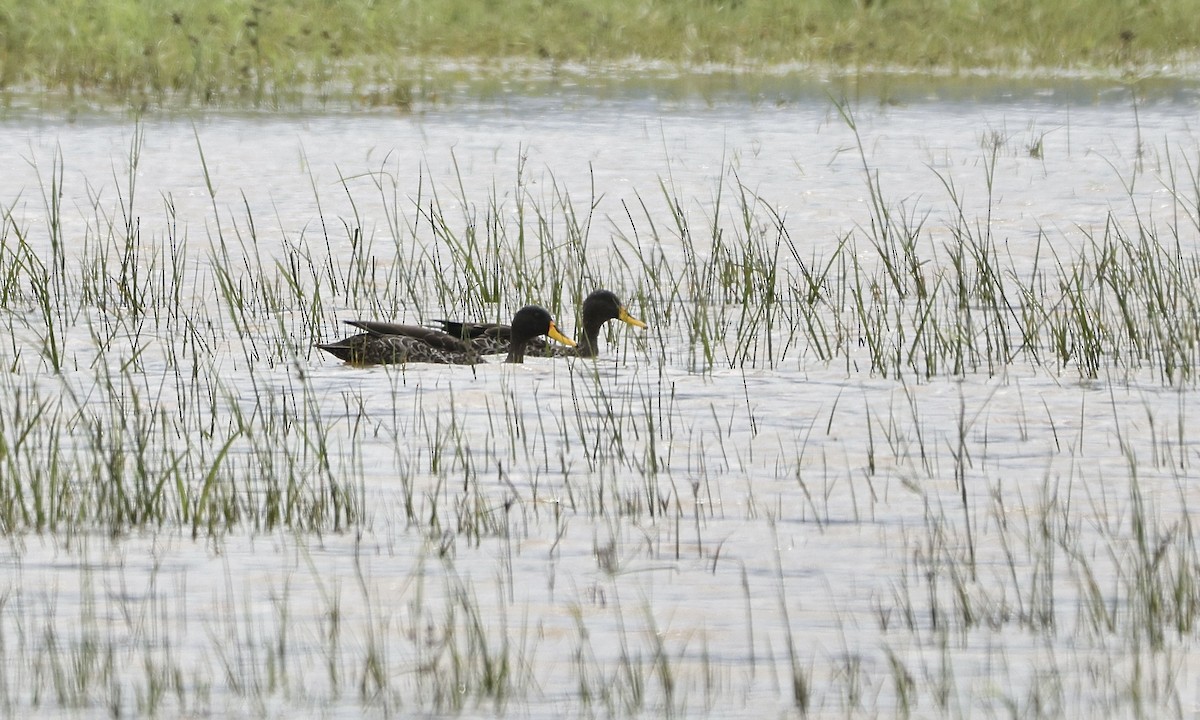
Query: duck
{"points": [[598, 308], [385, 343]]}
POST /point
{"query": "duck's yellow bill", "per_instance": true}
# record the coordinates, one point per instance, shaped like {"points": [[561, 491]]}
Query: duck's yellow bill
{"points": [[625, 317], [554, 334]]}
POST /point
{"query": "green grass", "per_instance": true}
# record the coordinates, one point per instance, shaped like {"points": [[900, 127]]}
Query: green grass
{"points": [[244, 52]]}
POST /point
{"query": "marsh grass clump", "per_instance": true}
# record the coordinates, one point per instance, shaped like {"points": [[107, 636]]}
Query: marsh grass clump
{"points": [[97, 439], [1124, 298]]}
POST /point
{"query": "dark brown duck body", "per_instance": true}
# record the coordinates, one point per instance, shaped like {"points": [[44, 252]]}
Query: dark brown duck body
{"points": [[389, 343], [494, 338]]}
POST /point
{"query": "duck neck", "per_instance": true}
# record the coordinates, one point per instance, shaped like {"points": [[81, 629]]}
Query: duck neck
{"points": [[516, 351], [588, 344]]}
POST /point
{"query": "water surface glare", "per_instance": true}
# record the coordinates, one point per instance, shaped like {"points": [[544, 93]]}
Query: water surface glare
{"points": [[805, 486]]}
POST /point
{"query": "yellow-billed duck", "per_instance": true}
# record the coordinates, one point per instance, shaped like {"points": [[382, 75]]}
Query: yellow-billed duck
{"points": [[385, 342], [494, 338]]}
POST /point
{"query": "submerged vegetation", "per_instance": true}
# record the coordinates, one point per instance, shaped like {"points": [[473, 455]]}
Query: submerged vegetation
{"points": [[252, 529], [216, 51]]}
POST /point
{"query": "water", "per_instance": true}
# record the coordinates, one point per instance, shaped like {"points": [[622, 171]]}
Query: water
{"points": [[800, 156], [642, 535]]}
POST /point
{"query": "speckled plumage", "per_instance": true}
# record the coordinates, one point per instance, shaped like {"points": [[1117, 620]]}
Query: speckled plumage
{"points": [[494, 338], [388, 343]]}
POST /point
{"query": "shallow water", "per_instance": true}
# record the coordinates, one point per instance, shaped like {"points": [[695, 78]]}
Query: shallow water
{"points": [[643, 535]]}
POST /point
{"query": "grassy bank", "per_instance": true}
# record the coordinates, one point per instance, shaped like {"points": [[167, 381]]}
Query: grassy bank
{"points": [[252, 52]]}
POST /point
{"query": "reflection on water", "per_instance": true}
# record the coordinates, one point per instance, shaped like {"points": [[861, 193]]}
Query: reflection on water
{"points": [[641, 535]]}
